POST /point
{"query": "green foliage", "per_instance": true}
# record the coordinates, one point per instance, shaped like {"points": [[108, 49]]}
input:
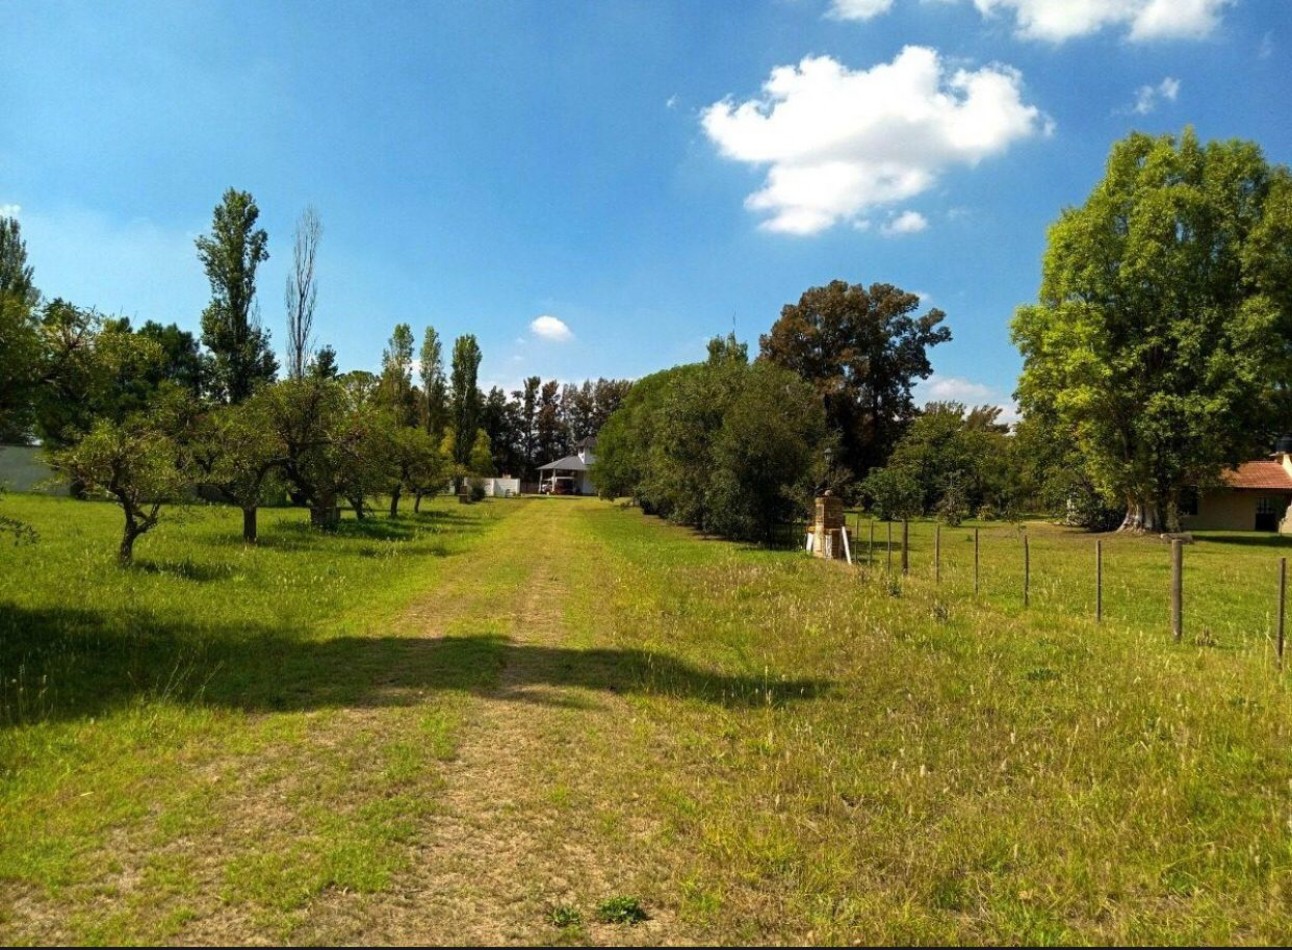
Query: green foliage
{"points": [[956, 456], [1161, 334], [894, 493], [137, 463], [395, 389], [20, 343], [621, 910], [565, 916], [435, 399], [862, 349], [465, 401], [230, 255], [729, 447]]}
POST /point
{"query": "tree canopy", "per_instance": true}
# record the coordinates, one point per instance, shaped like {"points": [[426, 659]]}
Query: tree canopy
{"points": [[230, 254], [1159, 345], [862, 349]]}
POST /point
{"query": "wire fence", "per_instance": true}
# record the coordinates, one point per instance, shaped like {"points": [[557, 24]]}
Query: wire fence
{"points": [[1225, 590]]}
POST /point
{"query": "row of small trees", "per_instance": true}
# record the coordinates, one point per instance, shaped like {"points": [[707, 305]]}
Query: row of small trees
{"points": [[149, 416]]}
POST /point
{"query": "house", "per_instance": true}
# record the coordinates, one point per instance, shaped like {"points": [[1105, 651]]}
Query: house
{"points": [[1255, 496], [571, 470]]}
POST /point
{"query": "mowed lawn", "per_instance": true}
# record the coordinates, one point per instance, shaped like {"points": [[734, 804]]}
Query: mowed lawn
{"points": [[366, 738]]}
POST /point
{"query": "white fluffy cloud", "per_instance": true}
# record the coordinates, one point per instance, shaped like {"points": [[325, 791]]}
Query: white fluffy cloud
{"points": [[858, 9], [1146, 97], [908, 222], [1144, 20], [551, 328], [10, 211], [840, 142]]}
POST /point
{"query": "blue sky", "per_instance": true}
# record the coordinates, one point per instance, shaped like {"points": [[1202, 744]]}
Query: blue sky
{"points": [[642, 174]]}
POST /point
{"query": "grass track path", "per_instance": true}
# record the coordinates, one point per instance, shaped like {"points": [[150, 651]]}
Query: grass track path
{"points": [[505, 848]]}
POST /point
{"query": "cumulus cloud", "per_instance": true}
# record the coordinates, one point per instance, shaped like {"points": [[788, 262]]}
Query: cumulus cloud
{"points": [[958, 389], [908, 222], [840, 142], [858, 9], [10, 211], [1056, 21], [1147, 97], [551, 328]]}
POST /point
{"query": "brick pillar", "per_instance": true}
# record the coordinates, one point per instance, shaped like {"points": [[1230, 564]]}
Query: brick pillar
{"points": [[827, 526]]}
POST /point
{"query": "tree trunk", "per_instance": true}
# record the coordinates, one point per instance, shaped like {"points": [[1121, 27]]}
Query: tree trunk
{"points": [[249, 525], [417, 501], [394, 501], [126, 553], [360, 512], [1143, 517], [324, 514]]}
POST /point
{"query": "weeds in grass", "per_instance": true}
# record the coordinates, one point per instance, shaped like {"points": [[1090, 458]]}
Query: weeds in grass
{"points": [[564, 916], [621, 910]]}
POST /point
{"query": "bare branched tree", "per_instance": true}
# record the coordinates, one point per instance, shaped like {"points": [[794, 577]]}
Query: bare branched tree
{"points": [[302, 291]]}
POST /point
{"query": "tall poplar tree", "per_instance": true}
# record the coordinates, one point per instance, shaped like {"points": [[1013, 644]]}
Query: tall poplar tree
{"points": [[231, 327]]}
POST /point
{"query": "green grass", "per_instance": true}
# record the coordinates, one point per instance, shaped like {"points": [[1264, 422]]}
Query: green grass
{"points": [[762, 747], [163, 698]]}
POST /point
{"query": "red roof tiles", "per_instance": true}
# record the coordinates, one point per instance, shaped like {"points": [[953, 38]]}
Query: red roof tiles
{"points": [[1270, 476]]}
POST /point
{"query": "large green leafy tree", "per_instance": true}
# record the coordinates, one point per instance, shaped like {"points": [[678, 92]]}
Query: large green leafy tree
{"points": [[729, 447], [231, 330], [1159, 345], [862, 349]]}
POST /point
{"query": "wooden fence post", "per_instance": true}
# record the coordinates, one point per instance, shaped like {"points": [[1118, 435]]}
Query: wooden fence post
{"points": [[1099, 581], [1283, 590], [1177, 589], [890, 545], [906, 561], [937, 554]]}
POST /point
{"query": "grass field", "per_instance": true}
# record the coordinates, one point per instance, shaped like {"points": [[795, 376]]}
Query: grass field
{"points": [[559, 721]]}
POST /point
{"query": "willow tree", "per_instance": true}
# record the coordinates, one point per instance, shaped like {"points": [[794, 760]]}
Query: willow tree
{"points": [[1160, 341]]}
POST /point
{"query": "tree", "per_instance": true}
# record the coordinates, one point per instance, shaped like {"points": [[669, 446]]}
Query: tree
{"points": [[894, 492], [435, 399], [234, 455], [1160, 342], [731, 448], [956, 457], [526, 400], [136, 462], [395, 388], [302, 293], [90, 369], [230, 255], [862, 349], [20, 341], [548, 425], [465, 402], [324, 365]]}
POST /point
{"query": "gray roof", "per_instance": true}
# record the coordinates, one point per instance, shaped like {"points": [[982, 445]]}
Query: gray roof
{"points": [[571, 463]]}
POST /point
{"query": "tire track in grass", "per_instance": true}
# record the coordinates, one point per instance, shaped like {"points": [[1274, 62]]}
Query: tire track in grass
{"points": [[520, 829]]}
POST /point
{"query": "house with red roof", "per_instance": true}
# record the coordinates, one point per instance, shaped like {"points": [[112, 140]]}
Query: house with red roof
{"points": [[1255, 496]]}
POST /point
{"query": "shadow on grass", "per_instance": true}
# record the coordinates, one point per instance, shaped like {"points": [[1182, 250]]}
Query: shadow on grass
{"points": [[300, 535], [63, 664]]}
